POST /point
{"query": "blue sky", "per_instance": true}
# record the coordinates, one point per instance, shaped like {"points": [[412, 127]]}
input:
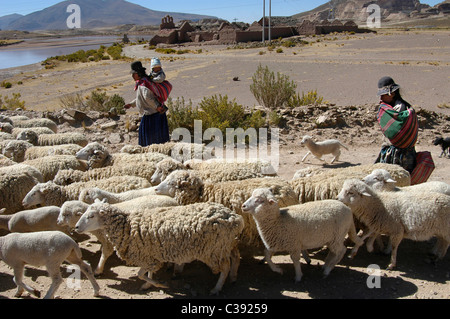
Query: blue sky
{"points": [[242, 10]]}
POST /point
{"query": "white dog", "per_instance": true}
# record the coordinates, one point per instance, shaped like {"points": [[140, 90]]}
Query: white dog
{"points": [[321, 148]]}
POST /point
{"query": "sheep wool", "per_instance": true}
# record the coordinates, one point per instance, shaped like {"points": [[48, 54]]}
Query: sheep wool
{"points": [[416, 216], [49, 166], [148, 238]]}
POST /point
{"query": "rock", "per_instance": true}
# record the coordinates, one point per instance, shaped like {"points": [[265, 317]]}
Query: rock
{"points": [[108, 126]]}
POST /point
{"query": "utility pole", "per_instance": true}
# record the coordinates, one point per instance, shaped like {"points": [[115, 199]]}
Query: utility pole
{"points": [[264, 22], [270, 18]]}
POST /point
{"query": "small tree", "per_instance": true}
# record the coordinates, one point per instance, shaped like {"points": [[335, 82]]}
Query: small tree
{"points": [[272, 91]]}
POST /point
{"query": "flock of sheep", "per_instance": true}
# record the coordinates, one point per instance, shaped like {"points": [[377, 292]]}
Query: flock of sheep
{"points": [[152, 210]]}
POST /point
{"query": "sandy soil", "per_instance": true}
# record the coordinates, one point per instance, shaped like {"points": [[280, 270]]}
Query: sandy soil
{"points": [[345, 72]]}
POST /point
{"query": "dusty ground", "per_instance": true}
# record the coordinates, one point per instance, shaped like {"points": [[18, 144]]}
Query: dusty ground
{"points": [[343, 70]]}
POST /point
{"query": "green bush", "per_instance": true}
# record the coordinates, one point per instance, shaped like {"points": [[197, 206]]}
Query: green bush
{"points": [[214, 112], [6, 85], [97, 101], [13, 103], [310, 98], [272, 91]]}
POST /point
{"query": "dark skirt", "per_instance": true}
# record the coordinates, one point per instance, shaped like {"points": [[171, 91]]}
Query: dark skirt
{"points": [[154, 129], [405, 157]]}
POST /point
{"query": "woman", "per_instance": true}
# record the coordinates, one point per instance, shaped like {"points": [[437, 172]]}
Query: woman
{"points": [[398, 122], [154, 127]]}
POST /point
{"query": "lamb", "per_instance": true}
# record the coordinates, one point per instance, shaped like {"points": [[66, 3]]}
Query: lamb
{"points": [[49, 166], [187, 188], [328, 183], [53, 139], [36, 122], [381, 180], [71, 212], [97, 156], [15, 182], [416, 216], [49, 249], [445, 144], [301, 227], [42, 151], [27, 221], [48, 194], [318, 149], [227, 171], [204, 231], [89, 195], [143, 169]]}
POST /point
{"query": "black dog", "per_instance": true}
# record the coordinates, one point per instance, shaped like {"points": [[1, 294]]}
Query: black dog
{"points": [[445, 144]]}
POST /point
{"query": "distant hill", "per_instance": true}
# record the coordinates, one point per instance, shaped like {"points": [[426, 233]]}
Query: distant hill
{"points": [[95, 13], [6, 20], [392, 11]]}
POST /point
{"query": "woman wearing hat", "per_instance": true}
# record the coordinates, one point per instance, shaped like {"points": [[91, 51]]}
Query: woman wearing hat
{"points": [[154, 127], [398, 122]]}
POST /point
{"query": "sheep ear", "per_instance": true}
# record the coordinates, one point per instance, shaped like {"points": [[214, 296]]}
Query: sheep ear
{"points": [[390, 180], [184, 183], [2, 211], [366, 194], [271, 201]]}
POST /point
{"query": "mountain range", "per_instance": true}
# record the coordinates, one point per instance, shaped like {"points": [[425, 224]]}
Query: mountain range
{"points": [[94, 14], [109, 13]]}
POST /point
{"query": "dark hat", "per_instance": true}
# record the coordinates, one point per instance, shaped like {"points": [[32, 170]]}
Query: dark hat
{"points": [[386, 85], [136, 67]]}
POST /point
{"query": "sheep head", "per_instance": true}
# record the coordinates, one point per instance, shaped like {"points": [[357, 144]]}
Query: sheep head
{"points": [[380, 179], [352, 191], [36, 196], [261, 197], [92, 219]]}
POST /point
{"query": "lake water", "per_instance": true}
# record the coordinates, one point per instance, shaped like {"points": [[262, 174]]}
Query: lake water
{"points": [[38, 50]]}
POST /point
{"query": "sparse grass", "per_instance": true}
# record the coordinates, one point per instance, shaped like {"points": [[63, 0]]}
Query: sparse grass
{"points": [[96, 101], [310, 98], [12, 103]]}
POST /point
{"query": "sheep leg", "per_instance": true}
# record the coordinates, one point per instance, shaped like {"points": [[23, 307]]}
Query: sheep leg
{"points": [[107, 251], [295, 256], [149, 281], [440, 248], [85, 269], [55, 275], [336, 156], [235, 261], [268, 256], [334, 256], [223, 276], [304, 157], [306, 256], [395, 241], [21, 286]]}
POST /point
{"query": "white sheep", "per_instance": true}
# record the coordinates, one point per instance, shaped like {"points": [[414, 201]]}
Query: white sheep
{"points": [[15, 182], [205, 232], [89, 195], [26, 221], [258, 165], [142, 169], [42, 151], [97, 156], [53, 139], [328, 183], [16, 150], [6, 136], [71, 212], [6, 127], [226, 171], [416, 216], [49, 194], [319, 149], [381, 180], [187, 188], [16, 132], [49, 249], [49, 166], [301, 227], [36, 122]]}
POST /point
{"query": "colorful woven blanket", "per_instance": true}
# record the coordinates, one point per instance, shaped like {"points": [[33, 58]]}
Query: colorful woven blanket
{"points": [[401, 128], [160, 90]]}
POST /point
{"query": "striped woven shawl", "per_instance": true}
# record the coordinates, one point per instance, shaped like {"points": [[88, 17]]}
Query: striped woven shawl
{"points": [[160, 90], [401, 128]]}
